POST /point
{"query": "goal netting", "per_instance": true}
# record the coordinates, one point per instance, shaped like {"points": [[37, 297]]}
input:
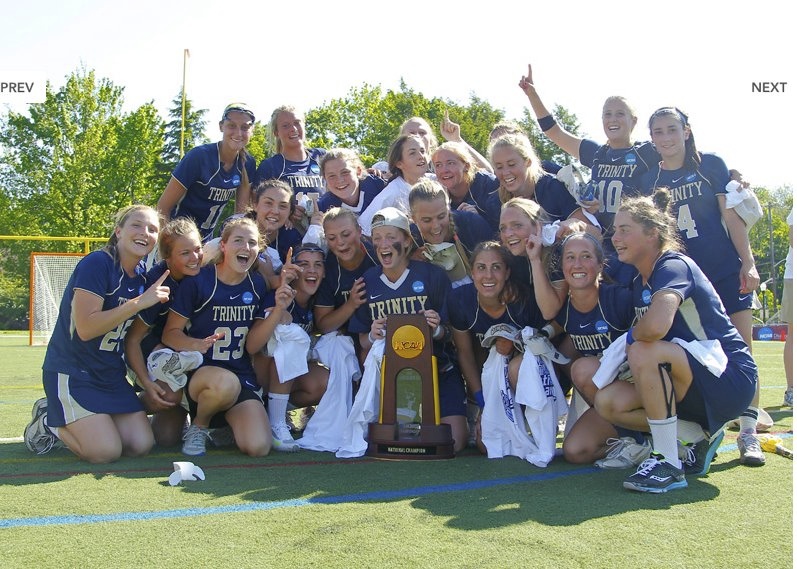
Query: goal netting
{"points": [[49, 275]]}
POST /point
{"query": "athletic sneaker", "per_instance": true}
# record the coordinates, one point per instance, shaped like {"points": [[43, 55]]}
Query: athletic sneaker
{"points": [[38, 438], [656, 475], [624, 452], [171, 367], [788, 398], [697, 457], [222, 437], [297, 419], [195, 439], [750, 453], [282, 439]]}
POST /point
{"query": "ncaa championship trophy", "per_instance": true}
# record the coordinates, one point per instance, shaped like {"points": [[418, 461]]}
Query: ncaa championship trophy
{"points": [[409, 411]]}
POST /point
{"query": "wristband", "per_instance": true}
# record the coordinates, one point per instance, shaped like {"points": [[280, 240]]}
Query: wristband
{"points": [[547, 330], [629, 336], [479, 398], [439, 332], [546, 123], [371, 338]]}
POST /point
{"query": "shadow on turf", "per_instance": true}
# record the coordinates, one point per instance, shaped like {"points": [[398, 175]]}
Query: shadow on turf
{"points": [[473, 492]]}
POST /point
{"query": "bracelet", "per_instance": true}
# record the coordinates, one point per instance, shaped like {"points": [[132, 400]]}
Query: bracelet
{"points": [[371, 338], [439, 332], [546, 123], [629, 336]]}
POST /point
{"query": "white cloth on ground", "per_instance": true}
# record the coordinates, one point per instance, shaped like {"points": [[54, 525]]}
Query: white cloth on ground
{"points": [[365, 408], [325, 428]]}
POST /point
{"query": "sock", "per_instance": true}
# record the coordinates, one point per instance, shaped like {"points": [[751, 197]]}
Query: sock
{"points": [[665, 439], [690, 432], [277, 407], [748, 420]]}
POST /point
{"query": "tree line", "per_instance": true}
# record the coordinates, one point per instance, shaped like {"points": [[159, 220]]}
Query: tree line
{"points": [[69, 163]]}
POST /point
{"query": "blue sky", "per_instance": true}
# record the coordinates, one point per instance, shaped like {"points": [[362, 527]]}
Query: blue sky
{"points": [[268, 54]]}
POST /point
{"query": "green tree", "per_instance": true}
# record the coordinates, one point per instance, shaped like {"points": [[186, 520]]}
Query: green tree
{"points": [[194, 135]]}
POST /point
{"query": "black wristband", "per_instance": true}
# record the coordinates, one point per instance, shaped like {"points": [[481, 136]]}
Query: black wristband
{"points": [[546, 123]]}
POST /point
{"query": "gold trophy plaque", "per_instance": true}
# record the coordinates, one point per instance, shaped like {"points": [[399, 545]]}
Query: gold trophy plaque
{"points": [[409, 411]]}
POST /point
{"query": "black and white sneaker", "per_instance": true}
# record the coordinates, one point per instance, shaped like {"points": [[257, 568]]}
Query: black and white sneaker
{"points": [[38, 437], [655, 475]]}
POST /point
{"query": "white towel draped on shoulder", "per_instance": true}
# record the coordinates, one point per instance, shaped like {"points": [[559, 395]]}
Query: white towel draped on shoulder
{"points": [[365, 408], [325, 429]]}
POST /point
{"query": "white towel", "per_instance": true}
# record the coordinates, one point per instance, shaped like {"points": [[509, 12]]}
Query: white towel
{"points": [[502, 424], [539, 390], [744, 201], [289, 346], [366, 406], [611, 360], [325, 428], [708, 352]]}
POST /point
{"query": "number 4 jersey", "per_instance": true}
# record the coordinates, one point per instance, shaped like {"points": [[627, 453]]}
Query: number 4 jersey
{"points": [[99, 275], [693, 202], [213, 307]]}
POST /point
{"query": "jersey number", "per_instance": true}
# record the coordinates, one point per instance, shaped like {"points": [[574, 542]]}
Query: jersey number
{"points": [[110, 342], [213, 217], [609, 195], [231, 346], [686, 222]]}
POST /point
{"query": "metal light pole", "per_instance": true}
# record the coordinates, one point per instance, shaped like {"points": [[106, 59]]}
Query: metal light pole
{"points": [[186, 55]]}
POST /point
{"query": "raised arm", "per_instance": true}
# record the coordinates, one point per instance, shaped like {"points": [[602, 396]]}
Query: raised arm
{"points": [[559, 136], [451, 132]]}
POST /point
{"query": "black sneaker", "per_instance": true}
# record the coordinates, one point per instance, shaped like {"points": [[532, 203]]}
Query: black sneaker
{"points": [[699, 456], [655, 475]]}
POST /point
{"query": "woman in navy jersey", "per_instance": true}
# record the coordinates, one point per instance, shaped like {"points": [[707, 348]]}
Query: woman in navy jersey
{"points": [[520, 174], [713, 235], [446, 237], [400, 285], [90, 406], [347, 182], [594, 315], [292, 303], [212, 313], [343, 289], [211, 175], [294, 162], [492, 298], [180, 247], [617, 165], [470, 189], [687, 359]]}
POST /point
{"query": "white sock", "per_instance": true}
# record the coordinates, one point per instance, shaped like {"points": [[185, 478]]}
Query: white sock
{"points": [[748, 421], [665, 439], [690, 432], [277, 407]]}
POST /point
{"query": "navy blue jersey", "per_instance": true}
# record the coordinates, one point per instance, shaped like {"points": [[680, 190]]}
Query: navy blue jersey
{"points": [[701, 315], [286, 238], [697, 213], [593, 331], [553, 197], [336, 286], [102, 357], [464, 313], [618, 172], [369, 187], [213, 307], [483, 195], [423, 286], [208, 186], [304, 176]]}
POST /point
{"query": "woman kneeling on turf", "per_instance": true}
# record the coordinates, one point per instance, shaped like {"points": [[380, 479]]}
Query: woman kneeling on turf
{"points": [[686, 357], [90, 405]]}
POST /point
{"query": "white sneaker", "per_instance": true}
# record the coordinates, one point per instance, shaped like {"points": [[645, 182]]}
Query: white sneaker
{"points": [[624, 452], [171, 367], [194, 440], [282, 439]]}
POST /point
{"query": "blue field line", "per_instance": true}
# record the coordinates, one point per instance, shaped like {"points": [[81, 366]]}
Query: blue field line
{"points": [[265, 506]]}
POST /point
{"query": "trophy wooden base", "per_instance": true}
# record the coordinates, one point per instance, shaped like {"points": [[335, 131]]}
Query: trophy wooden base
{"points": [[410, 442]]}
